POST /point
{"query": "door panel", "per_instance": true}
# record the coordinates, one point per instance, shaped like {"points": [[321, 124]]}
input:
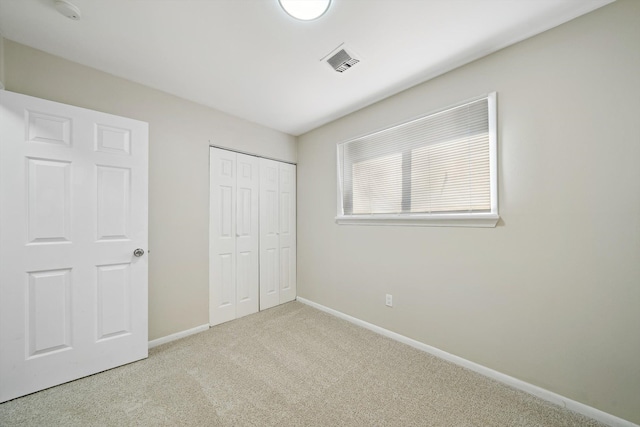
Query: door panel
{"points": [[287, 242], [222, 272], [49, 200], [269, 250], [243, 224], [234, 235], [285, 270], [226, 290], [114, 194], [113, 140], [114, 300], [48, 128], [73, 298], [226, 194], [271, 272], [243, 284], [247, 232], [49, 311]]}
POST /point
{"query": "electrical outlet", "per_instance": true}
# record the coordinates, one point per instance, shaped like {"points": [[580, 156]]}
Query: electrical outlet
{"points": [[389, 300]]}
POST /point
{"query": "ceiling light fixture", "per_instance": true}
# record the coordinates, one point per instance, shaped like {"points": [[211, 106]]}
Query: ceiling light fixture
{"points": [[305, 10]]}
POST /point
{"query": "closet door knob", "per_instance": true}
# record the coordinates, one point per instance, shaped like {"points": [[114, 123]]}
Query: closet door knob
{"points": [[138, 252]]}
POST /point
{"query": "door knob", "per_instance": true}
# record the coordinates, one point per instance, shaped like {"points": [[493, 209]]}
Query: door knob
{"points": [[138, 252]]}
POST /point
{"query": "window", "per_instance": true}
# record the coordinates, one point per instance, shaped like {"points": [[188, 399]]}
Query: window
{"points": [[439, 169]]}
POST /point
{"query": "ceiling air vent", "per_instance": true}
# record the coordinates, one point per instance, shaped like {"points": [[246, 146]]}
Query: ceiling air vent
{"points": [[342, 61]]}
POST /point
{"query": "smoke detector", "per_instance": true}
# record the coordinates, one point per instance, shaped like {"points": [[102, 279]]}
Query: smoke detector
{"points": [[68, 9]]}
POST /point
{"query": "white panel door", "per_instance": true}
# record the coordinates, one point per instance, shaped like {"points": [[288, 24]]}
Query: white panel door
{"points": [[73, 193], [234, 228], [287, 230], [222, 241], [269, 234], [247, 234]]}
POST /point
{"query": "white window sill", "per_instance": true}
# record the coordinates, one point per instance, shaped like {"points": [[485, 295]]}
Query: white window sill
{"points": [[484, 220]]}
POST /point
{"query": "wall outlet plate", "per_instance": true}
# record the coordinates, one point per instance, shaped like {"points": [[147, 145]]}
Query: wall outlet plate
{"points": [[389, 300]]}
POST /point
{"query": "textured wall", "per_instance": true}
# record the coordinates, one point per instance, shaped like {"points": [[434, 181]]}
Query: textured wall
{"points": [[179, 136], [551, 296]]}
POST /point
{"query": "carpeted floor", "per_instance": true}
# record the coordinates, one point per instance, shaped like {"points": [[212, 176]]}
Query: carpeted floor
{"points": [[287, 366]]}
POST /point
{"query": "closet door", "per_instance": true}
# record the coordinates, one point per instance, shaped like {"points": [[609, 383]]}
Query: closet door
{"points": [[233, 270], [269, 230], [277, 233], [287, 229], [247, 234], [222, 242]]}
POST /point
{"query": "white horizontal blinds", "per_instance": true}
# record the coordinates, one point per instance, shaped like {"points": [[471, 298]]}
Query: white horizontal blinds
{"points": [[435, 164], [377, 185], [454, 175]]}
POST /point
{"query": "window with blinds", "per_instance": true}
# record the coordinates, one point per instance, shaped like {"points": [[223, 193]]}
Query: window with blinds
{"points": [[439, 169]]}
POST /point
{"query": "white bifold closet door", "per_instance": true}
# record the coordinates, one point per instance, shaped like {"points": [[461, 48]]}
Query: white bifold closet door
{"points": [[234, 235], [277, 233]]}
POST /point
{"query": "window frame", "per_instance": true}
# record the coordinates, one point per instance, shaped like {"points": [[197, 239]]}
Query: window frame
{"points": [[463, 219]]}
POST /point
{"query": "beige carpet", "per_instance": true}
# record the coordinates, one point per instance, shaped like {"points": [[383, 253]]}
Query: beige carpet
{"points": [[288, 366]]}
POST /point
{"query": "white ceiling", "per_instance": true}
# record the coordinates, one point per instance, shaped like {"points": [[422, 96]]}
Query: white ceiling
{"points": [[250, 59]]}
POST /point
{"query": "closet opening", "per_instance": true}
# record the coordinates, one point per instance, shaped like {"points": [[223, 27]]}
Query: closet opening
{"points": [[252, 234]]}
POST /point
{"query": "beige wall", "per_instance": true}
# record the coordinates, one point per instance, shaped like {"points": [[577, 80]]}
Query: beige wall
{"points": [[1, 62], [552, 295], [180, 133]]}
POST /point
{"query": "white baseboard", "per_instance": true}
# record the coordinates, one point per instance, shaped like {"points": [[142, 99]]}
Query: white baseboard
{"points": [[178, 335], [542, 393]]}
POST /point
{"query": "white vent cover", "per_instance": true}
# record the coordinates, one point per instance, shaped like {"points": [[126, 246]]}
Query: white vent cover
{"points": [[342, 61]]}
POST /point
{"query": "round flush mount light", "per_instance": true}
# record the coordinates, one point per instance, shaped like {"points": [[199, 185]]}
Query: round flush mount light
{"points": [[305, 10]]}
